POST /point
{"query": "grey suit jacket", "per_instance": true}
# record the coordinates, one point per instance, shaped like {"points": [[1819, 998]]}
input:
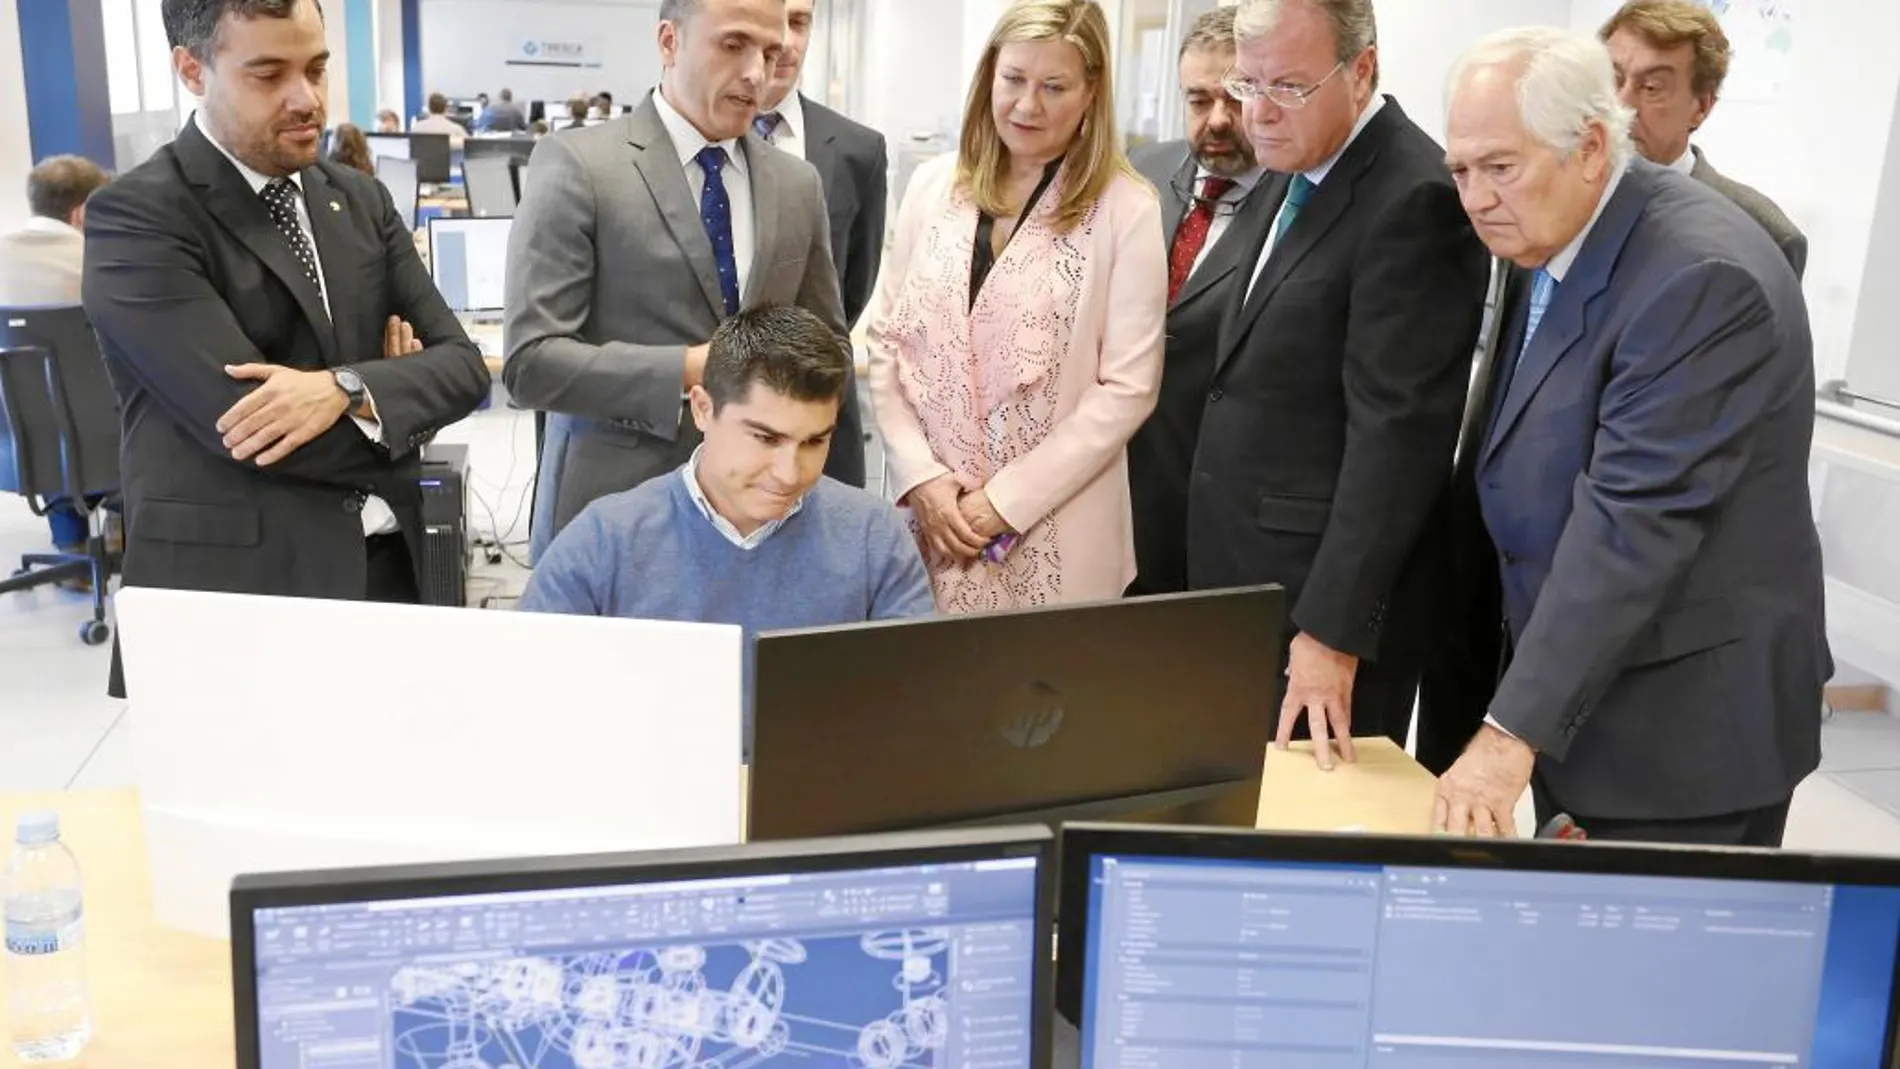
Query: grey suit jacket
{"points": [[1644, 480], [1792, 242], [852, 164], [611, 278], [1161, 454]]}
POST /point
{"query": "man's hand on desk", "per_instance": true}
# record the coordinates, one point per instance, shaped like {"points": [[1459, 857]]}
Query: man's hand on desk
{"points": [[288, 409], [399, 339], [1319, 686], [1478, 796]]}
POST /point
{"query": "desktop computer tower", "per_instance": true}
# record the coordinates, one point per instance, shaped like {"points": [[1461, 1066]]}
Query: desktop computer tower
{"points": [[443, 569]]}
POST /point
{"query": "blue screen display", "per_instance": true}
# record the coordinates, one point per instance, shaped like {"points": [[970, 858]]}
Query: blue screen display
{"points": [[923, 965], [1194, 964]]}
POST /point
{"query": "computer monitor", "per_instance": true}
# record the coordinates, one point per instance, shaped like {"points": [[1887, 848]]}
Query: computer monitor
{"points": [[431, 153], [398, 175], [890, 951], [1094, 711], [469, 260], [490, 184], [510, 146], [521, 183], [1191, 949], [395, 146]]}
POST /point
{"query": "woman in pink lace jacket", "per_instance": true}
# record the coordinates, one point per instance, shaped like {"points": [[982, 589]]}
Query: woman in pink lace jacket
{"points": [[1016, 335]]}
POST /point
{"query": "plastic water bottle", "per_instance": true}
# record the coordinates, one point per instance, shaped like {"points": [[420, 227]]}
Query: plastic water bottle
{"points": [[47, 1006]]}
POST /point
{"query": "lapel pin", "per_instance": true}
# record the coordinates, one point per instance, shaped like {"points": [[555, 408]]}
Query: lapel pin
{"points": [[335, 207]]}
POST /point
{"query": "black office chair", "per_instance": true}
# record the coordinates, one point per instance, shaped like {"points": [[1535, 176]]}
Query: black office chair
{"points": [[59, 438]]}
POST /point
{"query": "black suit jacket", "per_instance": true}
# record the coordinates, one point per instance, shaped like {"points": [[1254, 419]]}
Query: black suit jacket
{"points": [[185, 275], [1161, 454], [852, 164], [1338, 385]]}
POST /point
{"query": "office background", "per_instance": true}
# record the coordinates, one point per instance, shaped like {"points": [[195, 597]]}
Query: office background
{"points": [[1817, 130]]}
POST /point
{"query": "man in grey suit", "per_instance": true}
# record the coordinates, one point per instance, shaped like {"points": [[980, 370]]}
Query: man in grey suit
{"points": [[1643, 476], [1208, 213], [637, 237], [850, 159], [1671, 57]]}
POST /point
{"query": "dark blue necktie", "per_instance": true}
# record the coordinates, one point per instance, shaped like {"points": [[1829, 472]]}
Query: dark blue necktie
{"points": [[715, 211]]}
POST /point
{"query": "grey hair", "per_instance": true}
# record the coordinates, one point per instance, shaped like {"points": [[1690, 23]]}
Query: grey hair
{"points": [[1564, 81], [1212, 31], [1355, 26]]}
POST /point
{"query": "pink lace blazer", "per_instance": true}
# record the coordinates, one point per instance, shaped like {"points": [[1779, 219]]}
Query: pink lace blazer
{"points": [[1034, 391]]}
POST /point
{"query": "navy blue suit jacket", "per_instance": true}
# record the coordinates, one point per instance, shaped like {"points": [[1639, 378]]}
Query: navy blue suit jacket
{"points": [[1645, 483]]}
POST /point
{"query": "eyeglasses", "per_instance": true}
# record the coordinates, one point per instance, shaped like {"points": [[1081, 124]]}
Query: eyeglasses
{"points": [[1246, 90], [1185, 190]]}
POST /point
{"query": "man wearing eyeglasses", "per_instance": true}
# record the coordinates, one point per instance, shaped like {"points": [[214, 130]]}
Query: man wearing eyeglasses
{"points": [[1207, 214], [1340, 374]]}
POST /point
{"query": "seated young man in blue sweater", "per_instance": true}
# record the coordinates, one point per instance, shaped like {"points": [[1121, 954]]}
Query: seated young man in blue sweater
{"points": [[749, 531]]}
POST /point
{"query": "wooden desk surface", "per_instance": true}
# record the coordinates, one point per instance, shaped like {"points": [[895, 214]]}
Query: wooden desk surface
{"points": [[161, 999]]}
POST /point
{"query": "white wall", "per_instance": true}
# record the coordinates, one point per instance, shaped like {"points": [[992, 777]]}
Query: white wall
{"points": [[469, 46], [16, 149], [1419, 41], [389, 68]]}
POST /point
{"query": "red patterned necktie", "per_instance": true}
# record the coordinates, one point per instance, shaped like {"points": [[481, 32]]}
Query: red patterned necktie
{"points": [[1193, 234]]}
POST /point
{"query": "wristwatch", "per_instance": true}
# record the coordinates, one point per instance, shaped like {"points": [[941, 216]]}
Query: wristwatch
{"points": [[352, 386]]}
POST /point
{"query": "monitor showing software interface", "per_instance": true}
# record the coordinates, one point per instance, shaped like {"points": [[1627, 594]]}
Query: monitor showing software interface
{"points": [[1197, 963], [925, 965], [469, 259]]}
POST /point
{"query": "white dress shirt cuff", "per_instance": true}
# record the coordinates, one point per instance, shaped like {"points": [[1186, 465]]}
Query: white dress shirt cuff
{"points": [[372, 428], [1492, 721]]}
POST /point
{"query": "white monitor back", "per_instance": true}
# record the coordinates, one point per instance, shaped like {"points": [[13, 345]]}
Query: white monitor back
{"points": [[279, 734]]}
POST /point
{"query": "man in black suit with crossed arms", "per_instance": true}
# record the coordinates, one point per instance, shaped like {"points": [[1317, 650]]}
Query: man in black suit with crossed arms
{"points": [[1340, 377], [254, 309]]}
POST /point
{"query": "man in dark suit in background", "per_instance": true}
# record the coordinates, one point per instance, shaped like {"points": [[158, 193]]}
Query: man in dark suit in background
{"points": [[850, 159], [1643, 476], [246, 296], [1206, 185], [1341, 373], [1671, 57]]}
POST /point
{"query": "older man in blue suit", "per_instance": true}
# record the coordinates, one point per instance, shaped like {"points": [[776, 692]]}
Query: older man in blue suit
{"points": [[1641, 472]]}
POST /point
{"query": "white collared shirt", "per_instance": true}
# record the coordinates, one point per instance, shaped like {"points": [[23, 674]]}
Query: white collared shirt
{"points": [[1685, 163], [738, 180], [724, 526], [1317, 176], [378, 517], [1243, 185], [41, 224], [789, 134]]}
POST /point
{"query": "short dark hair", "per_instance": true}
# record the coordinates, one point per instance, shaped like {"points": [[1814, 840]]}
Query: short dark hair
{"points": [[60, 184], [785, 347], [438, 104], [507, 94], [604, 95], [678, 10], [1213, 30], [193, 24], [577, 108]]}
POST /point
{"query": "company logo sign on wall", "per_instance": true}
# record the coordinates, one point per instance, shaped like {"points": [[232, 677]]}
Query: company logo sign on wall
{"points": [[536, 53]]}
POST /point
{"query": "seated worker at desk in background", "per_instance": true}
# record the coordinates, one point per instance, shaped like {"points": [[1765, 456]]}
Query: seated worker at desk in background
{"points": [[748, 531]]}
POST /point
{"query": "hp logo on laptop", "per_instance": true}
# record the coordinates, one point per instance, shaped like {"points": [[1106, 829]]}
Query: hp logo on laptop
{"points": [[1029, 716]]}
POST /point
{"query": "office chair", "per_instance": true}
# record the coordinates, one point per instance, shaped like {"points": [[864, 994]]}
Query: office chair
{"points": [[59, 437]]}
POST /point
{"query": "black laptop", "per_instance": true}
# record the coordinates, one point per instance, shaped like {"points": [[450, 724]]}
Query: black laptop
{"points": [[1096, 711]]}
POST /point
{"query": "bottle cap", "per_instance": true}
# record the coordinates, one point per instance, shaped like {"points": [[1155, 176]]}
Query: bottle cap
{"points": [[35, 829]]}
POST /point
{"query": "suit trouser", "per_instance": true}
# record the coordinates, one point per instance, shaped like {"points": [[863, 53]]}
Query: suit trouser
{"points": [[1751, 827], [390, 574]]}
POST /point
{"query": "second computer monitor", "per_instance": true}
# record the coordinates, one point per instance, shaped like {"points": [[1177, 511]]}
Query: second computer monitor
{"points": [[469, 259], [897, 951], [1096, 711], [1204, 949], [398, 175], [388, 145], [490, 184]]}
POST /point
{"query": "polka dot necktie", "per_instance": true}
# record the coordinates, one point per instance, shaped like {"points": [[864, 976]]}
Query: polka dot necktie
{"points": [[1191, 236], [715, 211], [280, 196]]}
